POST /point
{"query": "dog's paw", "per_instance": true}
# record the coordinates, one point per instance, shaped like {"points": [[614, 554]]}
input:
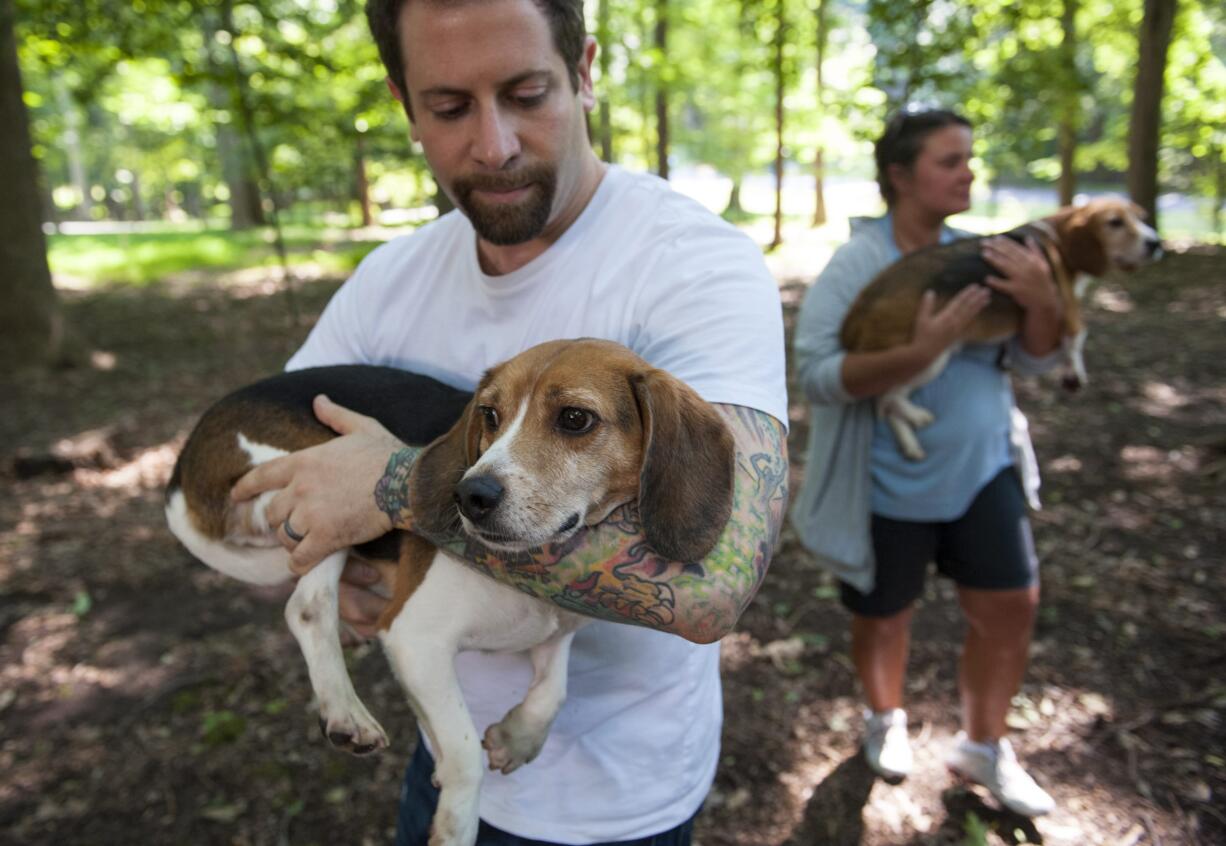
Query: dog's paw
{"points": [[353, 731], [509, 745]]}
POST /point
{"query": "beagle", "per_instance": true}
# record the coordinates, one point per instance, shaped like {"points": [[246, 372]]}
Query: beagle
{"points": [[553, 440], [1078, 242]]}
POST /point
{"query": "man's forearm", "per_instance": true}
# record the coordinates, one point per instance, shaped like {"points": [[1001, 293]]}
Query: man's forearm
{"points": [[609, 571]]}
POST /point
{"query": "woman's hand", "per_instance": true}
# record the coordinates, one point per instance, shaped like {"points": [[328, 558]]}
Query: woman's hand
{"points": [[1024, 274], [936, 331]]}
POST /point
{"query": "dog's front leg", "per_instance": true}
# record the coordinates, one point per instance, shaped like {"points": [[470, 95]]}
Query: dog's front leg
{"points": [[425, 667], [313, 618], [518, 738], [1074, 376]]}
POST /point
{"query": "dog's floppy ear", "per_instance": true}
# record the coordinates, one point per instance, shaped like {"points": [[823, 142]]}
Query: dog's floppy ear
{"points": [[685, 485], [1086, 251], [438, 470]]}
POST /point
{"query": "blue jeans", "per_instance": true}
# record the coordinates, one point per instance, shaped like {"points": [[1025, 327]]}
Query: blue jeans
{"points": [[418, 799]]}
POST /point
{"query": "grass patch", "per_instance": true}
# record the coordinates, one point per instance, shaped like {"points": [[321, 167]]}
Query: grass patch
{"points": [[146, 257]]}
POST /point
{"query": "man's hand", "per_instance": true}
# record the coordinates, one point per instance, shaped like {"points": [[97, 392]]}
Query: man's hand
{"points": [[362, 599], [326, 492], [936, 330], [1024, 274]]}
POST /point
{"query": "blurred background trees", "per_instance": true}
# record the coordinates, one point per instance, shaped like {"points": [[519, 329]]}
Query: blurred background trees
{"points": [[188, 115]]}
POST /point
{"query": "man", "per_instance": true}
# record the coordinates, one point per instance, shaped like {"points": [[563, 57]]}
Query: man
{"points": [[551, 243]]}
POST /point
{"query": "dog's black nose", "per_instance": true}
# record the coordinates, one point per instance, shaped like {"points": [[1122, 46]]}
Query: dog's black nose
{"points": [[478, 496], [1153, 246]]}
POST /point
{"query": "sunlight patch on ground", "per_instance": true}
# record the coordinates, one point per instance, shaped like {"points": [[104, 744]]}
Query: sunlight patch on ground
{"points": [[149, 469], [1151, 464], [1113, 299], [1160, 399]]}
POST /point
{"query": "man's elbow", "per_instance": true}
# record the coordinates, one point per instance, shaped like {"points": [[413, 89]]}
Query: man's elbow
{"points": [[713, 624]]}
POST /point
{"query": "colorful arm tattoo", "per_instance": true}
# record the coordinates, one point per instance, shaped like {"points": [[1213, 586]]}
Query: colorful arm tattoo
{"points": [[608, 571], [392, 489]]}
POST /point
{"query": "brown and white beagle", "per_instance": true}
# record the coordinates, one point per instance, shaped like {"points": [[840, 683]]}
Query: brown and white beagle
{"points": [[552, 440], [1079, 242]]}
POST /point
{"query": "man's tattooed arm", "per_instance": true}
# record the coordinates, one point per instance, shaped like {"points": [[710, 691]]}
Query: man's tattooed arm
{"points": [[609, 571], [392, 489]]}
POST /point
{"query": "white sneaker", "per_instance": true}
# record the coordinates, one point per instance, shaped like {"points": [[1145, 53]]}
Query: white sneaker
{"points": [[886, 747], [995, 767]]}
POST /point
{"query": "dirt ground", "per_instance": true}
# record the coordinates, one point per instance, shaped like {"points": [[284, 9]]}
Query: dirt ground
{"points": [[146, 699]]}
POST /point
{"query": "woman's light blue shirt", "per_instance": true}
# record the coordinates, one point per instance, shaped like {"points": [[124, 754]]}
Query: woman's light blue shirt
{"points": [[967, 444]]}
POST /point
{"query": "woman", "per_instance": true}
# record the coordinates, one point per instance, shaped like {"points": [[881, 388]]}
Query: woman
{"points": [[877, 518]]}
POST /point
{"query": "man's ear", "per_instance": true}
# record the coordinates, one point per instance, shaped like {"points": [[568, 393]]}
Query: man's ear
{"points": [[402, 98], [587, 89]]}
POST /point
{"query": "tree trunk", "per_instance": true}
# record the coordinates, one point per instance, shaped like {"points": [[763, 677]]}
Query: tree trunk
{"points": [[603, 38], [1068, 112], [734, 209], [778, 71], [1146, 120], [31, 327], [819, 163], [361, 184], [661, 43]]}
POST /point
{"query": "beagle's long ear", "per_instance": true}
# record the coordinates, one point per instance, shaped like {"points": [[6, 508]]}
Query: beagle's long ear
{"points": [[685, 486], [1086, 251], [438, 470]]}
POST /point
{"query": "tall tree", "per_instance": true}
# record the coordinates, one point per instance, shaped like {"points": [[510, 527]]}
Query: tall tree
{"points": [[777, 70], [1146, 121], [819, 153], [662, 82], [31, 326], [1068, 106], [604, 37]]}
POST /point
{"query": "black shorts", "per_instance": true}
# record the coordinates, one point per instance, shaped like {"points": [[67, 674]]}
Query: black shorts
{"points": [[989, 547]]}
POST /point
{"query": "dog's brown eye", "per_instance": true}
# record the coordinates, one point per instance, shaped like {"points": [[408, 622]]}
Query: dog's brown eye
{"points": [[1115, 222], [576, 421], [490, 416]]}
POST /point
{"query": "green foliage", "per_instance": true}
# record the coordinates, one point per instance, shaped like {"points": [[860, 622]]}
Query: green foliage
{"points": [[136, 107], [222, 727]]}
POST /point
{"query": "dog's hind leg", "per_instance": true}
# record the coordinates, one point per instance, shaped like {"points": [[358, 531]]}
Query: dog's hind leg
{"points": [[518, 738], [312, 615], [425, 666]]}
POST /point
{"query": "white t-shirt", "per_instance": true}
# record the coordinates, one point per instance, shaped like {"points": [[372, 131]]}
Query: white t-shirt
{"points": [[634, 749]]}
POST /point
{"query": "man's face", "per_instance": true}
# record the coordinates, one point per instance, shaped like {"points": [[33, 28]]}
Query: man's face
{"points": [[499, 121]]}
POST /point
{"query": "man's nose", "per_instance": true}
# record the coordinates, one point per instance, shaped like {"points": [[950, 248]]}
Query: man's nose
{"points": [[497, 141]]}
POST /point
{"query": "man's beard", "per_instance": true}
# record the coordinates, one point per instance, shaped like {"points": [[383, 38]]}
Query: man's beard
{"points": [[504, 224]]}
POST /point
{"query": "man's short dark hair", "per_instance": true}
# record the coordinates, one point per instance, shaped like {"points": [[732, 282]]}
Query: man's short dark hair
{"points": [[565, 18], [904, 137]]}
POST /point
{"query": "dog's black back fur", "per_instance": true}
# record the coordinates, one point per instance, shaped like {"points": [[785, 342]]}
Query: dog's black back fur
{"points": [[414, 408]]}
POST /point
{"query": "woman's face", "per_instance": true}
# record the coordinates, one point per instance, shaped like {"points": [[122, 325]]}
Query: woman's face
{"points": [[939, 181]]}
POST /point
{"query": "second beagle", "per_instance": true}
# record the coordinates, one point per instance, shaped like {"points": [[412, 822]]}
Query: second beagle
{"points": [[1078, 241], [552, 441]]}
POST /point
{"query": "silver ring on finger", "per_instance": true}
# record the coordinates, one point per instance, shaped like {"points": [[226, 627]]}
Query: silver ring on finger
{"points": [[289, 531]]}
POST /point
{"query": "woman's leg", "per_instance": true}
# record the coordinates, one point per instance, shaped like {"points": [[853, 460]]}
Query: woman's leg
{"points": [[879, 648], [994, 655]]}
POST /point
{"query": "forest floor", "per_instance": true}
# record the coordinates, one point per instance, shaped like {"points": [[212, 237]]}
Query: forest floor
{"points": [[147, 699]]}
